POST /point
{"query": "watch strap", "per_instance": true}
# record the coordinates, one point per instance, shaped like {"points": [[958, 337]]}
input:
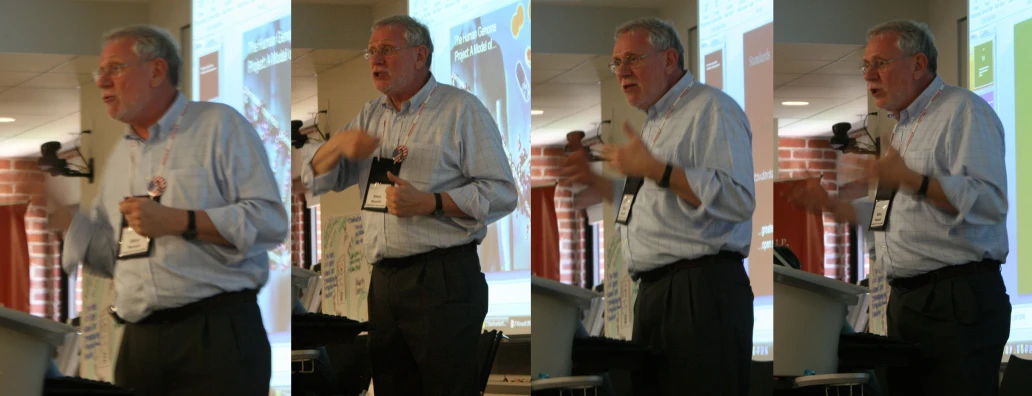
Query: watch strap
{"points": [[665, 181], [191, 225], [921, 192], [439, 206]]}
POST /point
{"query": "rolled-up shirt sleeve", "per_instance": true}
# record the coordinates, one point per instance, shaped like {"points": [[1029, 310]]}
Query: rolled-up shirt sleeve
{"points": [[977, 182], [255, 220], [90, 241], [721, 143], [339, 178], [491, 193]]}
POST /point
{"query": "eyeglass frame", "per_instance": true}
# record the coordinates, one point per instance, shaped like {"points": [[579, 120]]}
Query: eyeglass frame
{"points": [[613, 66], [114, 71], [880, 63], [379, 51]]}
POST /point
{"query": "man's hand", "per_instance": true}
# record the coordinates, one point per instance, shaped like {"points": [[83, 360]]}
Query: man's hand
{"points": [[810, 197], [890, 170], [577, 169], [151, 219], [354, 144], [631, 159], [403, 200]]}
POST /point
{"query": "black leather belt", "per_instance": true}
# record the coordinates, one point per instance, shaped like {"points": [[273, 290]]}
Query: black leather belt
{"points": [[401, 262], [659, 273], [177, 314], [953, 271]]}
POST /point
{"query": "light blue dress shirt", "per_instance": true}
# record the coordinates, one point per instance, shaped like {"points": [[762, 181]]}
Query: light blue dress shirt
{"points": [[217, 164], [455, 148], [708, 136], [960, 143]]}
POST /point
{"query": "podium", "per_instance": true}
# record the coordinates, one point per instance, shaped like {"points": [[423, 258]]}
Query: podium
{"points": [[26, 345], [811, 311], [557, 310]]}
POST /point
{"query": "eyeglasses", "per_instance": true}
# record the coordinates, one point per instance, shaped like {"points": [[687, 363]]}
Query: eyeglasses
{"points": [[385, 51], [877, 65], [112, 70], [633, 61]]}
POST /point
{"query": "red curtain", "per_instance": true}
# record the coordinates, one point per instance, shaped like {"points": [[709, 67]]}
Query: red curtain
{"points": [[799, 230], [14, 265], [544, 233]]}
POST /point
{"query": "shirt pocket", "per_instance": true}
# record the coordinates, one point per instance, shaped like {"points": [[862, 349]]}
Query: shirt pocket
{"points": [[421, 164], [192, 189]]}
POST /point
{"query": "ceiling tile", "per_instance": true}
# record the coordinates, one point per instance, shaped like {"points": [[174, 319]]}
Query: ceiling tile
{"points": [[820, 52], [333, 56], [50, 95], [796, 66], [40, 63], [13, 79], [80, 65], [561, 62], [58, 80]]}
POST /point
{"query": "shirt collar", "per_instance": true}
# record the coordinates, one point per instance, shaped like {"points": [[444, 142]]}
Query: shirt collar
{"points": [[922, 101], [671, 95], [415, 100], [165, 124]]}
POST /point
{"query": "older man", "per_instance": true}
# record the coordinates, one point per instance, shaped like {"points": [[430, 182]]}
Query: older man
{"points": [[939, 220], [432, 172], [187, 209], [684, 215]]}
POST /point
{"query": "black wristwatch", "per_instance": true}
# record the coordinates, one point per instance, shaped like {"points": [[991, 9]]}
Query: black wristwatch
{"points": [[921, 192], [439, 208], [665, 181], [191, 226]]}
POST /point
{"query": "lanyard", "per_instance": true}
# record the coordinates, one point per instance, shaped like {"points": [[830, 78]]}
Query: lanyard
{"points": [[158, 181], [401, 145], [892, 137], [670, 110]]}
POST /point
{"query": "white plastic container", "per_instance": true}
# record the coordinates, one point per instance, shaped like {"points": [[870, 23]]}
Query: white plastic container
{"points": [[810, 311], [26, 345]]}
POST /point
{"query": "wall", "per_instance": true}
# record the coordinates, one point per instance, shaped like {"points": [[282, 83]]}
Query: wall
{"points": [[22, 181], [63, 27], [545, 163], [942, 20]]}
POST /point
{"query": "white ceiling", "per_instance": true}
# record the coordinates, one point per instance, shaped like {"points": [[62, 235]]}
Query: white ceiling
{"points": [[826, 75], [304, 87], [41, 92], [567, 89]]}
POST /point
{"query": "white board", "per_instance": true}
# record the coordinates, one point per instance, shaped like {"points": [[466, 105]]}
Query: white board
{"points": [[345, 271], [101, 336]]}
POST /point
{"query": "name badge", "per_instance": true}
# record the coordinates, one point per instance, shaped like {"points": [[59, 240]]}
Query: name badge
{"points": [[375, 199], [630, 194], [130, 243], [882, 207]]}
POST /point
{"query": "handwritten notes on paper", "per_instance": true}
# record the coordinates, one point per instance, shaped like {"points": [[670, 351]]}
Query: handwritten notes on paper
{"points": [[620, 291], [345, 271], [879, 298], [101, 337]]}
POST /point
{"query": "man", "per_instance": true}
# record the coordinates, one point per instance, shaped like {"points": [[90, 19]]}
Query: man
{"points": [[432, 174], [686, 228], [187, 294], [939, 220]]}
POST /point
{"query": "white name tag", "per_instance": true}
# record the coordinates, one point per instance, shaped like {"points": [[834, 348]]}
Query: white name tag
{"points": [[132, 244], [376, 196], [625, 208], [880, 215]]}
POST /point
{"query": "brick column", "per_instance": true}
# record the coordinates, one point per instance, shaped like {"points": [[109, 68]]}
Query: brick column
{"points": [[22, 181], [795, 157], [545, 164]]}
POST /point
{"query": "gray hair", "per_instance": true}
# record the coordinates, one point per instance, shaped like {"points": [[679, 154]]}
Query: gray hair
{"points": [[662, 35], [151, 42], [914, 38], [416, 33]]}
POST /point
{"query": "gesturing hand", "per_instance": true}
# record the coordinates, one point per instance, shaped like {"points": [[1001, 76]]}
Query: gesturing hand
{"points": [[354, 144], [632, 159]]}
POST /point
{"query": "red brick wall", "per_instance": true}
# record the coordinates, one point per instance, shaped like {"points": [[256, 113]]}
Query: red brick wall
{"points": [[297, 230], [22, 181], [795, 158], [544, 166]]}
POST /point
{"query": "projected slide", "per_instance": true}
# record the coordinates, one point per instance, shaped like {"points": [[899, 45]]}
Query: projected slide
{"points": [[736, 44], [241, 57], [483, 47], [1000, 54]]}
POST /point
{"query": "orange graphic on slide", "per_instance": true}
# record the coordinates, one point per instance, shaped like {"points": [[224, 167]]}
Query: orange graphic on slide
{"points": [[528, 56], [517, 21]]}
